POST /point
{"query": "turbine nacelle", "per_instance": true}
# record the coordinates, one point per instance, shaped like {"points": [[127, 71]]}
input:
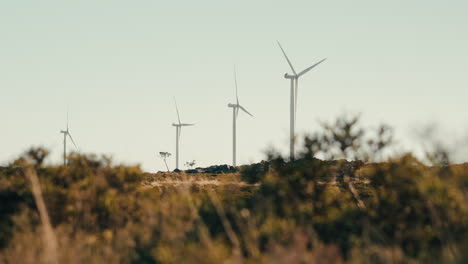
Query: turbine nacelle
{"points": [[288, 76], [182, 124], [233, 105]]}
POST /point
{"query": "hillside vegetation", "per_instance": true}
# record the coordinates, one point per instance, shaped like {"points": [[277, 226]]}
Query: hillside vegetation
{"points": [[356, 206]]}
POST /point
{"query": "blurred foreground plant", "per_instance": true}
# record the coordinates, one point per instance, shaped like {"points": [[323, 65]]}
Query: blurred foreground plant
{"points": [[309, 210]]}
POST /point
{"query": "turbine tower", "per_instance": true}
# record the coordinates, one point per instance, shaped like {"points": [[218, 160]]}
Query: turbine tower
{"points": [[293, 101], [178, 130], [235, 112], [65, 134]]}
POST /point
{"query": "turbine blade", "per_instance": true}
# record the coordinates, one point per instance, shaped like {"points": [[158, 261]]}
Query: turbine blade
{"points": [[247, 112], [67, 118], [310, 68], [237, 112], [177, 110], [71, 138], [235, 81], [295, 99], [286, 56]]}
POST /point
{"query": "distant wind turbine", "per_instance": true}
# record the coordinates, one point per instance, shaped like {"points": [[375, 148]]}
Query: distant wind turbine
{"points": [[235, 112], [294, 86], [178, 130], [65, 134]]}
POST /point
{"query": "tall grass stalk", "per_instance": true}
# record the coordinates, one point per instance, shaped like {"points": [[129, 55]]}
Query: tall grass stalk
{"points": [[48, 237]]}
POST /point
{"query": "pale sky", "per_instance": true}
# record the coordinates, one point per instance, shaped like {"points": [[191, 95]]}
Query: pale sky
{"points": [[117, 65]]}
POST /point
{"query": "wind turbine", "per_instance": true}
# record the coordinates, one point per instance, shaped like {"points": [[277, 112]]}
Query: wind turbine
{"points": [[294, 86], [65, 134], [178, 130], [235, 112]]}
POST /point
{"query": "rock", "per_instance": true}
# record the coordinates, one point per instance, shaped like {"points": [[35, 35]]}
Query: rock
{"points": [[218, 169]]}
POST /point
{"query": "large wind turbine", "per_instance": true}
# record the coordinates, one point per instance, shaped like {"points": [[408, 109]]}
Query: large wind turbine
{"points": [[65, 134], [178, 130], [294, 86], [235, 112]]}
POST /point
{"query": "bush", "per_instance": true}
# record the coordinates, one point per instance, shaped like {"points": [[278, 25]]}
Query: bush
{"points": [[357, 207]]}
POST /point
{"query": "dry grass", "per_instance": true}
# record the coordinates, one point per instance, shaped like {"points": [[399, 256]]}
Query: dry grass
{"points": [[183, 179], [306, 211]]}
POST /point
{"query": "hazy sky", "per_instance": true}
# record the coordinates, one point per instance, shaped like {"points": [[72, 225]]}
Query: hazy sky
{"points": [[117, 65]]}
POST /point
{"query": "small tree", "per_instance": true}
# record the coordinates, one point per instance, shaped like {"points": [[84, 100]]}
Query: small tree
{"points": [[190, 164], [164, 156]]}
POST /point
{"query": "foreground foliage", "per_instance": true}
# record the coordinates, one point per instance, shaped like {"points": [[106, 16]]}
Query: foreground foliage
{"points": [[306, 211]]}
